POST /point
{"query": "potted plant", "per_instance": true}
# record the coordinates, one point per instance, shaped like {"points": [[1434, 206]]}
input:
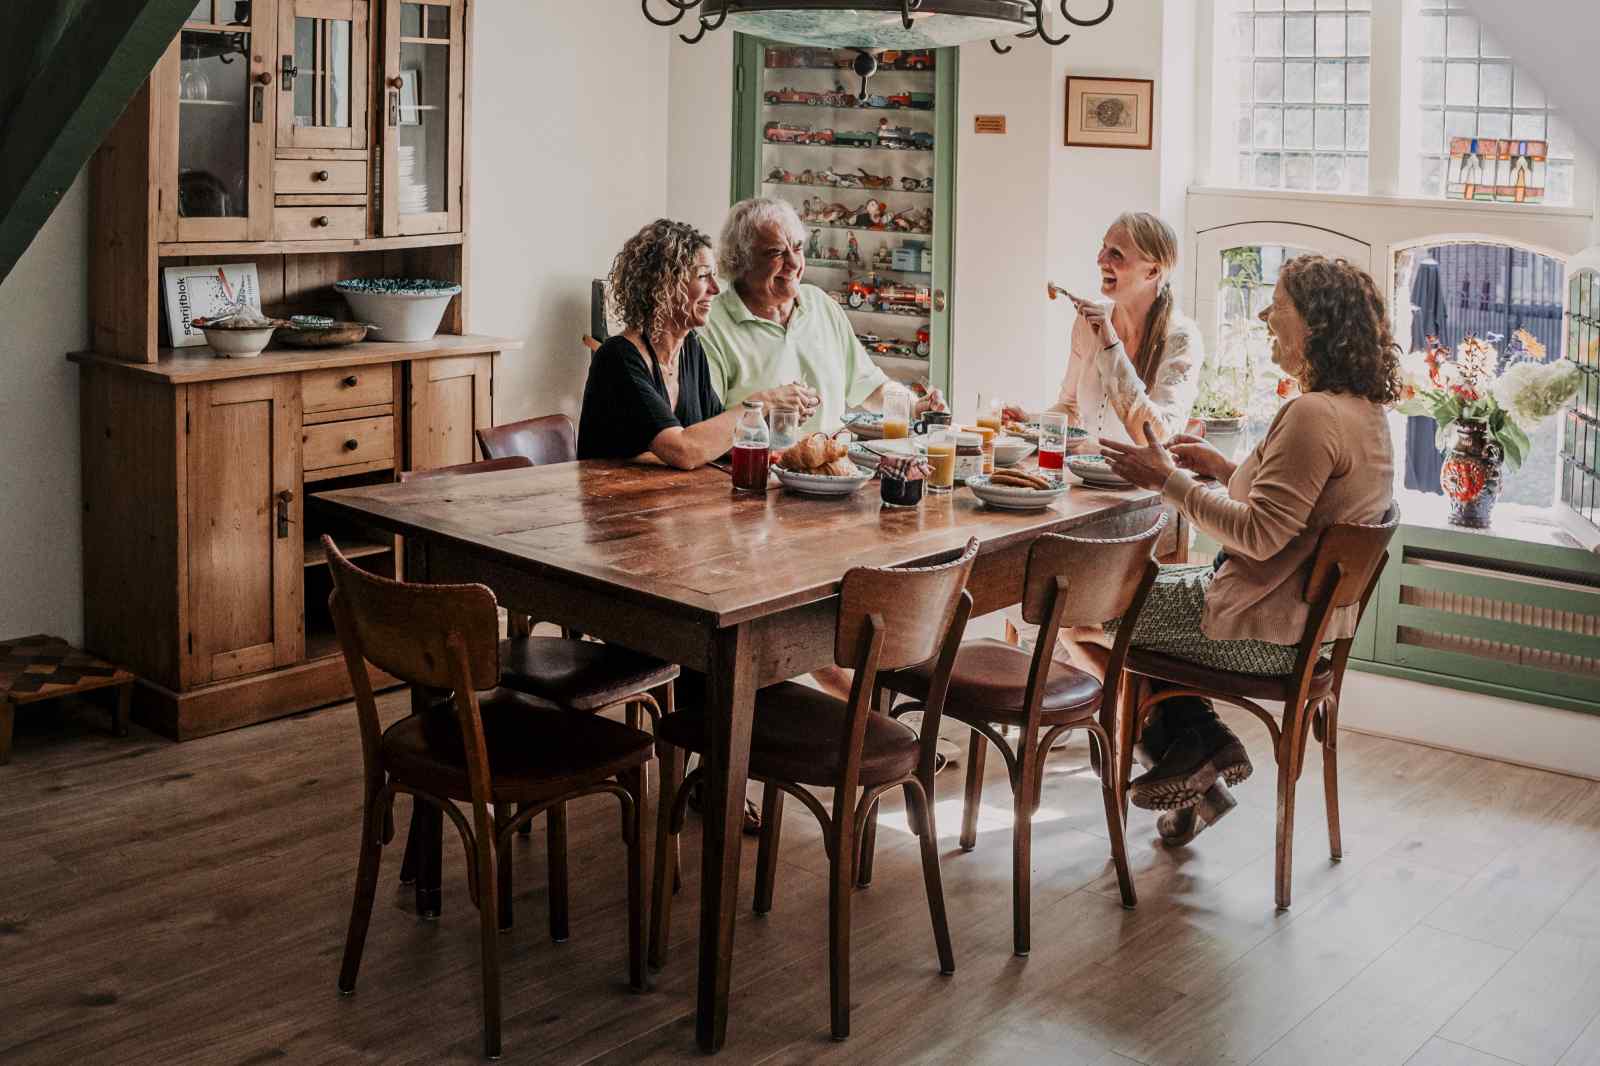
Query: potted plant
{"points": [[1483, 411]]}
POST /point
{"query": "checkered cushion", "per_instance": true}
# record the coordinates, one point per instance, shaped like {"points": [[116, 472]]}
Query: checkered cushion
{"points": [[41, 666]]}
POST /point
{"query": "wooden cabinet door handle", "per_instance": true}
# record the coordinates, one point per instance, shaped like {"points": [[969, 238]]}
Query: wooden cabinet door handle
{"points": [[350, 382], [395, 83], [285, 498], [264, 78]]}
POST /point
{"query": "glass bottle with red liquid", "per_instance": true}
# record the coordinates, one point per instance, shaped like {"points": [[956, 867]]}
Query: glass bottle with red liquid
{"points": [[752, 450]]}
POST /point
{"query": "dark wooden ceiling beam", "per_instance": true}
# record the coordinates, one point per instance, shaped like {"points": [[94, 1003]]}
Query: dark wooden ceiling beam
{"points": [[85, 62]]}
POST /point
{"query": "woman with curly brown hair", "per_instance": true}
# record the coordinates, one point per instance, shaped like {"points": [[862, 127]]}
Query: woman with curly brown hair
{"points": [[1326, 459], [649, 389]]}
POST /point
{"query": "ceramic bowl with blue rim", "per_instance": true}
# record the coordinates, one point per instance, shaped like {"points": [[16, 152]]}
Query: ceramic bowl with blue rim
{"points": [[399, 309]]}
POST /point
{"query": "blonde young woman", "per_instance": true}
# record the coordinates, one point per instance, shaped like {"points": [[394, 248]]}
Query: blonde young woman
{"points": [[1136, 359]]}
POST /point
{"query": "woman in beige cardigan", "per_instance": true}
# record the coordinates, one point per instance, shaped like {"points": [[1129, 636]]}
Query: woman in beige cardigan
{"points": [[1326, 459]]}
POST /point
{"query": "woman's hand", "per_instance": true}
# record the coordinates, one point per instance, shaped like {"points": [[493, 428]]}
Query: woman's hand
{"points": [[1099, 318], [1012, 413], [1200, 457], [933, 401], [1147, 466], [801, 397]]}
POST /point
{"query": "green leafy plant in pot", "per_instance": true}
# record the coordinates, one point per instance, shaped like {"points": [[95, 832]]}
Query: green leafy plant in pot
{"points": [[1484, 414]]}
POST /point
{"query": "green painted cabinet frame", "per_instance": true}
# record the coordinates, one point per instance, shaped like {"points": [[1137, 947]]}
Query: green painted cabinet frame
{"points": [[749, 63]]}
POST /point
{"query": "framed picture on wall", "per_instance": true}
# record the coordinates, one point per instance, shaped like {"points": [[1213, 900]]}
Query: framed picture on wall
{"points": [[1110, 112]]}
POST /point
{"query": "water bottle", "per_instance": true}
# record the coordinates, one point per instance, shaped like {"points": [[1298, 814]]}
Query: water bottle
{"points": [[752, 449]]}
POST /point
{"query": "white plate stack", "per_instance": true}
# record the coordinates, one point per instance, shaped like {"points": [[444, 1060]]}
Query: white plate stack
{"points": [[413, 198]]}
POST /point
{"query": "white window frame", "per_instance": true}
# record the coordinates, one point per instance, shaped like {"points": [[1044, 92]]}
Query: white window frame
{"points": [[1394, 126]]}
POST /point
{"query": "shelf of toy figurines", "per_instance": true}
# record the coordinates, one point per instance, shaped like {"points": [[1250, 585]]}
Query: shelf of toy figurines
{"points": [[866, 229], [897, 190], [835, 147], [919, 316], [845, 264], [856, 110]]}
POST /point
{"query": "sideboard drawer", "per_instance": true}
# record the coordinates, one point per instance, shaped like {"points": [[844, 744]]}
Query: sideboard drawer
{"points": [[319, 223], [340, 388], [331, 176], [364, 440]]}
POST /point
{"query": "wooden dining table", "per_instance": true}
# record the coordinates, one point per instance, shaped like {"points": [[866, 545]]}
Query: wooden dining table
{"points": [[743, 588]]}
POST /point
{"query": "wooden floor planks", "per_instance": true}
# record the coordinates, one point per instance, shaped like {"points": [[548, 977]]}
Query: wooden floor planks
{"points": [[186, 904]]}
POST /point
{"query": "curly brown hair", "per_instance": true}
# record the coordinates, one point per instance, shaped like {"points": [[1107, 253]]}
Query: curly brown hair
{"points": [[1350, 348], [649, 282]]}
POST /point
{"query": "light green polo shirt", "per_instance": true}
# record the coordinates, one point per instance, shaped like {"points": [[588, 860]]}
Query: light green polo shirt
{"points": [[818, 348]]}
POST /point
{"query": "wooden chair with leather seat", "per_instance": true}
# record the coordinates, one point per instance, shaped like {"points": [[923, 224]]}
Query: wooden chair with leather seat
{"points": [[489, 747], [545, 440], [801, 736], [1344, 571], [580, 676], [1069, 581]]}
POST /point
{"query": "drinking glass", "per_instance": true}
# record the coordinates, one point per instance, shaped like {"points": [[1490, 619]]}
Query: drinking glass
{"points": [[942, 458], [785, 427], [990, 411], [896, 411], [1052, 443]]}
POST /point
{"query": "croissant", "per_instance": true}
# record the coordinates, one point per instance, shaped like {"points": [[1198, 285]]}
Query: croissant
{"points": [[839, 468], [813, 452]]}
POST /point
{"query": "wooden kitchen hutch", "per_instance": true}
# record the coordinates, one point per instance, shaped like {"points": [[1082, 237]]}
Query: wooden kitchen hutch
{"points": [[319, 140]]}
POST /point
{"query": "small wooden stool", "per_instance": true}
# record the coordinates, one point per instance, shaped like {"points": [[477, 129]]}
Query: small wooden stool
{"points": [[42, 668]]}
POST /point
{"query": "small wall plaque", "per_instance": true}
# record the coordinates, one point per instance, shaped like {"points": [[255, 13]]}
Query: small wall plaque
{"points": [[989, 123]]}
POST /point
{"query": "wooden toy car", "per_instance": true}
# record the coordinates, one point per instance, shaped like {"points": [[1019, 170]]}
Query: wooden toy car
{"points": [[786, 133], [787, 95]]}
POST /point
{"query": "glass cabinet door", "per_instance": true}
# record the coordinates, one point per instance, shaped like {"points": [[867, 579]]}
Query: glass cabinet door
{"points": [[217, 102], [422, 102], [322, 74]]}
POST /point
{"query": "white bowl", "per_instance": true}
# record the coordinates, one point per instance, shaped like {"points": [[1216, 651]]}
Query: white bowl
{"points": [[1013, 497], [238, 343], [821, 484], [1011, 450], [399, 309]]}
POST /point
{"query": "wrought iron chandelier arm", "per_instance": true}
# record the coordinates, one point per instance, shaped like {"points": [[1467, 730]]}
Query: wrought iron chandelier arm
{"points": [[1038, 27], [996, 46], [705, 28], [681, 9], [906, 7], [1086, 23]]}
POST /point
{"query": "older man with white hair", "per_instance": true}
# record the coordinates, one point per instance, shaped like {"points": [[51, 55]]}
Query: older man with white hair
{"points": [[768, 329]]}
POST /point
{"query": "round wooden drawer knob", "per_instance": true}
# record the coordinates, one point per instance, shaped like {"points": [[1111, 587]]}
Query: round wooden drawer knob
{"points": [[396, 83], [351, 445], [321, 175], [350, 382], [322, 221]]}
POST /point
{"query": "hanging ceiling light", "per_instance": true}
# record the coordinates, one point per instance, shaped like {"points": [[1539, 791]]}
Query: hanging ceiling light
{"points": [[901, 24]]}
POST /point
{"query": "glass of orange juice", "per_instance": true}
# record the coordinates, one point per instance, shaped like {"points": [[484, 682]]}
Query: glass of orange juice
{"points": [[896, 411], [942, 458], [990, 414]]}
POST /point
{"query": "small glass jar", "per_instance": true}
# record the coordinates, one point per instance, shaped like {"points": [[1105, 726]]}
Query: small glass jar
{"points": [[901, 492], [752, 449], [969, 456]]}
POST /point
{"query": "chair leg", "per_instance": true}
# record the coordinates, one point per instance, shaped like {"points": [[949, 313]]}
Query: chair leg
{"points": [[124, 707], [1291, 743], [408, 857], [502, 856], [868, 849], [1022, 788], [634, 781], [1131, 695], [1330, 775], [922, 818], [526, 828], [767, 853], [488, 920], [556, 862], [840, 869], [1108, 792], [518, 625], [666, 856], [977, 749], [361, 908]]}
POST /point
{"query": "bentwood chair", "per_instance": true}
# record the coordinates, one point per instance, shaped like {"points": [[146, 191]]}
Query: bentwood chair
{"points": [[801, 736], [488, 747], [1344, 571], [545, 440], [572, 675], [1069, 581]]}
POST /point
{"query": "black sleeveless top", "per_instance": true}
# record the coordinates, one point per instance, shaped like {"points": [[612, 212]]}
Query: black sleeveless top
{"points": [[625, 399]]}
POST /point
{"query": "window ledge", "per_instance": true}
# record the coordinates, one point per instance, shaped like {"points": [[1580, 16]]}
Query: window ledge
{"points": [[1411, 203]]}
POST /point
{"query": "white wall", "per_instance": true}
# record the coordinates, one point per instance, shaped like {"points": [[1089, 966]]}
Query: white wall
{"points": [[568, 153], [44, 314]]}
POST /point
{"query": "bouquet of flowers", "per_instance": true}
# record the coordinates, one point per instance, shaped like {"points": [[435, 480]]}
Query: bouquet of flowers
{"points": [[1472, 384]]}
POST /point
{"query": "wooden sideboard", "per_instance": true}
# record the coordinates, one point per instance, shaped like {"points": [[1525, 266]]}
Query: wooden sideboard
{"points": [[203, 570]]}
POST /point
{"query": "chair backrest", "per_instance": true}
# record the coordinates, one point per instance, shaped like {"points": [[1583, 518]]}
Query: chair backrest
{"points": [[411, 631], [914, 604], [482, 466], [1102, 575], [546, 439], [1348, 558]]}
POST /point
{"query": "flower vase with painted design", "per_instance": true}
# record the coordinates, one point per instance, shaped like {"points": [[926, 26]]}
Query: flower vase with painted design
{"points": [[1470, 476]]}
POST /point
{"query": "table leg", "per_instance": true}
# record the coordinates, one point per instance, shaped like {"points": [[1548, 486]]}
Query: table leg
{"points": [[729, 716]]}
